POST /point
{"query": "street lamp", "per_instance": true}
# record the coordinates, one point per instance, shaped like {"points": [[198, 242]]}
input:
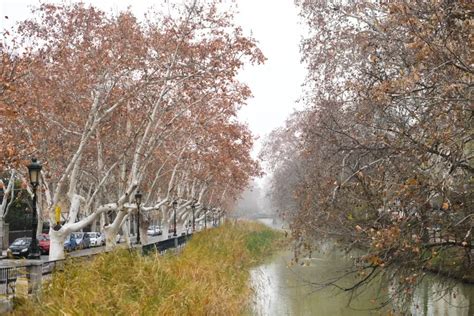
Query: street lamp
{"points": [[34, 170], [193, 207], [138, 200], [175, 204]]}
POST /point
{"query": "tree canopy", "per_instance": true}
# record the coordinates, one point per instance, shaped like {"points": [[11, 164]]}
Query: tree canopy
{"points": [[111, 104], [383, 155]]}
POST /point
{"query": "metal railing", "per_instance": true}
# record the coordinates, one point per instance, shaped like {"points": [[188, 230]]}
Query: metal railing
{"points": [[33, 273], [166, 244], [8, 278]]}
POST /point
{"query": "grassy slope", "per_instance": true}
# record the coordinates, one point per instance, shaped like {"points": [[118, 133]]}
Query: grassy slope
{"points": [[210, 277]]}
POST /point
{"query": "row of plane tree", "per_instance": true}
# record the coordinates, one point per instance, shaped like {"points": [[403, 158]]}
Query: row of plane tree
{"points": [[111, 104]]}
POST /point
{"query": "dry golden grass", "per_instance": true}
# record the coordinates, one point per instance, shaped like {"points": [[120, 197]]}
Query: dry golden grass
{"points": [[209, 277]]}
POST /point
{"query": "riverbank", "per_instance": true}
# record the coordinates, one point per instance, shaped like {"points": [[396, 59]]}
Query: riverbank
{"points": [[210, 276], [451, 263], [299, 289]]}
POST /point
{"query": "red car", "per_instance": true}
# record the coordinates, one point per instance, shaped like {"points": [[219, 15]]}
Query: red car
{"points": [[43, 241]]}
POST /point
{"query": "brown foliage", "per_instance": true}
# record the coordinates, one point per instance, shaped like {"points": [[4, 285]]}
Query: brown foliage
{"points": [[386, 154], [107, 100]]}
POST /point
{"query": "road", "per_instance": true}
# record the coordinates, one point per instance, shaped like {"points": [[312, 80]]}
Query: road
{"points": [[78, 253]]}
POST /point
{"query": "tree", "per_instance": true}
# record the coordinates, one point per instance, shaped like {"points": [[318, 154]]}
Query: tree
{"points": [[114, 104], [386, 142]]}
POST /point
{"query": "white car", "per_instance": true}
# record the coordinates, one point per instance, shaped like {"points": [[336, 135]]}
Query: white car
{"points": [[97, 239], [154, 231]]}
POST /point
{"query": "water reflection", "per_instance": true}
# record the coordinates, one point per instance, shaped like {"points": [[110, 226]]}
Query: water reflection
{"points": [[283, 290]]}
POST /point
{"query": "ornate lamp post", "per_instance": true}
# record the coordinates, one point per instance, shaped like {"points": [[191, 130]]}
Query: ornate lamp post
{"points": [[193, 207], [34, 170], [175, 204], [138, 200]]}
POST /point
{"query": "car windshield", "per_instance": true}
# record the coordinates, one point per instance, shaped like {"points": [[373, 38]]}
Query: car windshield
{"points": [[21, 242], [43, 237], [78, 235], [93, 235]]}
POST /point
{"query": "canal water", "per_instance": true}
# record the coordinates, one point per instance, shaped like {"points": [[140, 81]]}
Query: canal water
{"points": [[283, 287]]}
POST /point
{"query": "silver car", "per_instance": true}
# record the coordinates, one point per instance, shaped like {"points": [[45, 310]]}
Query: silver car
{"points": [[96, 238]]}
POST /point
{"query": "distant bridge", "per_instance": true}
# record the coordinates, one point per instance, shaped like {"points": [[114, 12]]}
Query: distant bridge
{"points": [[257, 216]]}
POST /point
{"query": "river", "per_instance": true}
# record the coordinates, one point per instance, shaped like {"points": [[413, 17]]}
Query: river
{"points": [[285, 288]]}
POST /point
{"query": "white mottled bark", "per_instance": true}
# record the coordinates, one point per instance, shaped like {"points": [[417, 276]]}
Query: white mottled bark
{"points": [[56, 246], [110, 237]]}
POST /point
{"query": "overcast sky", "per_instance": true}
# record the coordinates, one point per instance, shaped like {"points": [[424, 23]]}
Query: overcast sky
{"points": [[276, 85]]}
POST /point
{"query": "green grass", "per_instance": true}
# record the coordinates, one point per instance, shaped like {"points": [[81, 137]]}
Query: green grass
{"points": [[209, 277], [260, 243]]}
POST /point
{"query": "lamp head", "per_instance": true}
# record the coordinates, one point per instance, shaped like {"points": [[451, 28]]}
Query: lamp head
{"points": [[138, 197], [34, 170]]}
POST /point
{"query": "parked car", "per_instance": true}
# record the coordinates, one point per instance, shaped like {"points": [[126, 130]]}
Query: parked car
{"points": [[70, 243], [154, 231], [96, 239], [82, 239], [19, 248], [43, 241]]}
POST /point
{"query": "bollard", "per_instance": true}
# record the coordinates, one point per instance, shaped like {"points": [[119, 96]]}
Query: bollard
{"points": [[35, 276], [176, 242]]}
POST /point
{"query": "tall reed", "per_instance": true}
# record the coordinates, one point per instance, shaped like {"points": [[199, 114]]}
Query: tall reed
{"points": [[209, 277]]}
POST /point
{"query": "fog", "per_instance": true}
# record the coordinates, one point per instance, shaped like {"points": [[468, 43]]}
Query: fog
{"points": [[253, 203]]}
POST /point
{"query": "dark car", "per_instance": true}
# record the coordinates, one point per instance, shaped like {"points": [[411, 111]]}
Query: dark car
{"points": [[83, 240], [43, 242], [20, 247], [70, 243]]}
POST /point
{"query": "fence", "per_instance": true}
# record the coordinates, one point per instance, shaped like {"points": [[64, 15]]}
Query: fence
{"points": [[8, 277], [166, 244]]}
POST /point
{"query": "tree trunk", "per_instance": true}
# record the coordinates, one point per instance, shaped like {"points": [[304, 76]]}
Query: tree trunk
{"points": [[94, 226], [112, 230], [102, 222], [110, 237], [39, 226], [143, 232], [56, 245], [126, 232], [2, 233]]}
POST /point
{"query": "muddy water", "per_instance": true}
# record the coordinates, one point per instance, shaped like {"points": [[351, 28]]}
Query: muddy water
{"points": [[283, 288]]}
